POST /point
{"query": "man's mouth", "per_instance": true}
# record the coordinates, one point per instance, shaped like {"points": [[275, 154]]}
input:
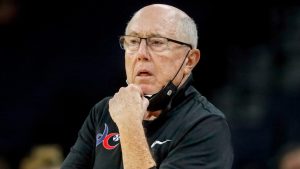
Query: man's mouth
{"points": [[144, 73]]}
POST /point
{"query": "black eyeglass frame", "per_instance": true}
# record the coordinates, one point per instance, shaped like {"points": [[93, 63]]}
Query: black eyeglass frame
{"points": [[121, 40]]}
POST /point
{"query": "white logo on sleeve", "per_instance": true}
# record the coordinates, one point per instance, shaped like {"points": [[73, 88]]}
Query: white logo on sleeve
{"points": [[159, 142]]}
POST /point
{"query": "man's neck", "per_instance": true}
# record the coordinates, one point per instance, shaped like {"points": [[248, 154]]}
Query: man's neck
{"points": [[152, 115]]}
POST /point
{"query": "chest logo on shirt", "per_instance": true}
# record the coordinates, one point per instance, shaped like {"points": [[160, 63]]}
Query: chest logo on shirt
{"points": [[109, 140], [159, 143]]}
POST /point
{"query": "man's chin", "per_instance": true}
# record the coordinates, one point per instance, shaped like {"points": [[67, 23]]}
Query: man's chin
{"points": [[148, 89]]}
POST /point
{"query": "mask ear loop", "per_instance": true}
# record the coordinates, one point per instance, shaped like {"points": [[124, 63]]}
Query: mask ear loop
{"points": [[181, 67], [163, 98], [171, 99]]}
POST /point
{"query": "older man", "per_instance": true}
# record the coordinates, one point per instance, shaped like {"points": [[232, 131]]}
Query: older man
{"points": [[159, 120]]}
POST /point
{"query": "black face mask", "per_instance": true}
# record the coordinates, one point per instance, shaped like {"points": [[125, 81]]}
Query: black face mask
{"points": [[161, 99]]}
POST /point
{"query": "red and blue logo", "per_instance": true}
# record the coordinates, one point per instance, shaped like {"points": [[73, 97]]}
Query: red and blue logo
{"points": [[109, 140]]}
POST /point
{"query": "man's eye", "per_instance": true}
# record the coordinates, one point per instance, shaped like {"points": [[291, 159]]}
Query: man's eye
{"points": [[134, 41], [156, 42]]}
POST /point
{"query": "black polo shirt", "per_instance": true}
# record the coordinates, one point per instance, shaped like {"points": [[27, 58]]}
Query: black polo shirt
{"points": [[192, 134]]}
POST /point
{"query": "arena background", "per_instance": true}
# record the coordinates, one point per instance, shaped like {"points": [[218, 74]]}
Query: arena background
{"points": [[60, 57]]}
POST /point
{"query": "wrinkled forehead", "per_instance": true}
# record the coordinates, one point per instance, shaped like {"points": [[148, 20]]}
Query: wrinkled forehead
{"points": [[154, 21]]}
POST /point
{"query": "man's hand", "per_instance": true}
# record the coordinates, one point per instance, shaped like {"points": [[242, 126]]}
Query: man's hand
{"points": [[127, 109], [128, 106]]}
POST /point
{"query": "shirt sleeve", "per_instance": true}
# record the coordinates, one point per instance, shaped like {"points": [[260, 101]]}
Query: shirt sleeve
{"points": [[82, 153], [206, 146]]}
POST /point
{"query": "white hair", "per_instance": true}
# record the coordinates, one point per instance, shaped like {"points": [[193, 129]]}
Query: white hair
{"points": [[188, 29]]}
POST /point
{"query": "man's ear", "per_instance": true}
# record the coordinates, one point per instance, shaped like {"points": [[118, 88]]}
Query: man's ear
{"points": [[192, 60]]}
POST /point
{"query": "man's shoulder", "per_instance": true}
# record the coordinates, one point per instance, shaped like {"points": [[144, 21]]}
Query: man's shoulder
{"points": [[100, 108], [102, 103], [200, 106]]}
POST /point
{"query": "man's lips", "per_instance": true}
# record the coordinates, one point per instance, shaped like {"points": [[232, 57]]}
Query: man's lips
{"points": [[143, 77], [143, 73]]}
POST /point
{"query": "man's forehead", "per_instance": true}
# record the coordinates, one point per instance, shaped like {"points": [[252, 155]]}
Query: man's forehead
{"points": [[145, 28], [153, 33], [156, 14], [150, 34]]}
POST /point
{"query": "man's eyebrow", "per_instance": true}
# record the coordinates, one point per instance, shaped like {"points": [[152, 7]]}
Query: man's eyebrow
{"points": [[155, 35], [133, 34]]}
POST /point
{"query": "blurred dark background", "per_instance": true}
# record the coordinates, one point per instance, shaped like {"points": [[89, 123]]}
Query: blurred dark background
{"points": [[59, 58]]}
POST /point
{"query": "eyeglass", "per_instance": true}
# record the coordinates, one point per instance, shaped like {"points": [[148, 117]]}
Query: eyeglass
{"points": [[156, 44]]}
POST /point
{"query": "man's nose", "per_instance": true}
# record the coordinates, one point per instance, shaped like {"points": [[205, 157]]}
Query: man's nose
{"points": [[143, 52]]}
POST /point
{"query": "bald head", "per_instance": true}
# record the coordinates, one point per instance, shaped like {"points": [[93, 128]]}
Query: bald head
{"points": [[172, 20]]}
